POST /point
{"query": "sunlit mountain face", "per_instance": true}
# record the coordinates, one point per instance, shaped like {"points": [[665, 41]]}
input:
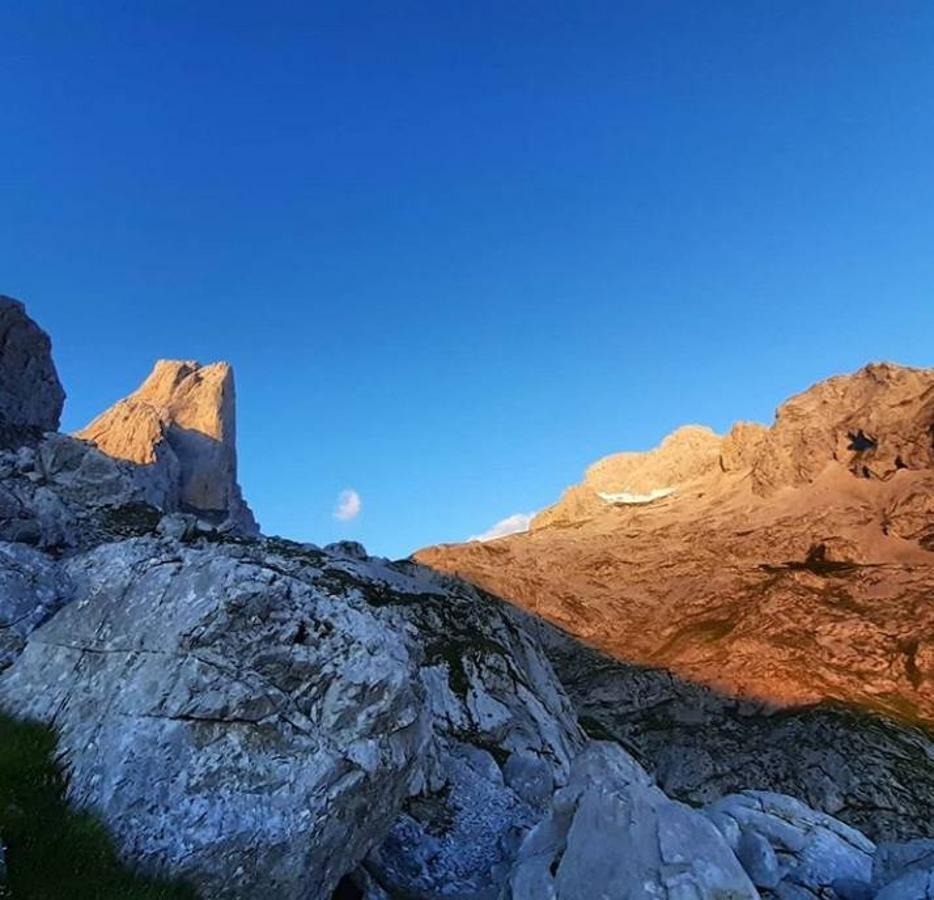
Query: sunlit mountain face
{"points": [[788, 564]]}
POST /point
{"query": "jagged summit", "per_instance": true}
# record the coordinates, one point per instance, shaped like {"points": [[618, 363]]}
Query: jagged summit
{"points": [[790, 563], [182, 417], [871, 423]]}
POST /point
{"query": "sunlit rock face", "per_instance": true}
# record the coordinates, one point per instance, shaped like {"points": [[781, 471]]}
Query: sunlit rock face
{"points": [[31, 395], [790, 564], [182, 418]]}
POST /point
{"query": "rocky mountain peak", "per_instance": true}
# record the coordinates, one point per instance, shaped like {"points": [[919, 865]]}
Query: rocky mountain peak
{"points": [[786, 563], [31, 396], [873, 423], [183, 417]]}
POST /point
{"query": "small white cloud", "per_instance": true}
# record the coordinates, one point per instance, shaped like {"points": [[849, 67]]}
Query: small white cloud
{"points": [[510, 525], [348, 506]]}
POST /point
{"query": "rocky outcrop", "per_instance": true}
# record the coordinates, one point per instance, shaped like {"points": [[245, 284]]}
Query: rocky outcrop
{"points": [[31, 396], [64, 493], [792, 850], [636, 478], [232, 722], [262, 716], [504, 737], [181, 422], [612, 833], [32, 588], [874, 424], [789, 565]]}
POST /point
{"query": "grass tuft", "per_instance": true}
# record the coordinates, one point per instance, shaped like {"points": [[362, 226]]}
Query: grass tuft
{"points": [[53, 852]]}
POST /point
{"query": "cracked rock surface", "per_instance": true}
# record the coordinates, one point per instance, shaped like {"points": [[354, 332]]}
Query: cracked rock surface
{"points": [[232, 723]]}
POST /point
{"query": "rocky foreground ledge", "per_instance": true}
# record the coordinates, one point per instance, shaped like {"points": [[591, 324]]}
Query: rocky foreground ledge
{"points": [[270, 719]]}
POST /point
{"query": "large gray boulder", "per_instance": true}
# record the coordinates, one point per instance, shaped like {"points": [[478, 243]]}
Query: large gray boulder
{"points": [[792, 850], [231, 722], [503, 730], [31, 396], [613, 834]]}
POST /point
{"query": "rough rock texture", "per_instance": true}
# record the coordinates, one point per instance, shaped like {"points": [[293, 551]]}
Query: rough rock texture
{"points": [[64, 493], [796, 570], [32, 588], [233, 723], [687, 454], [504, 737], [31, 396], [223, 700], [873, 773], [904, 871], [792, 850], [612, 833], [182, 420]]}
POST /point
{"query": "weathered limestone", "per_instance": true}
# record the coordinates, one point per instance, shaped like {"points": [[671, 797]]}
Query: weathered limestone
{"points": [[792, 850], [612, 833], [32, 588], [183, 417], [233, 724]]}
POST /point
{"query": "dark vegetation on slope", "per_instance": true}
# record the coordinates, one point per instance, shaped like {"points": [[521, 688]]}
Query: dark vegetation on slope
{"points": [[53, 852]]}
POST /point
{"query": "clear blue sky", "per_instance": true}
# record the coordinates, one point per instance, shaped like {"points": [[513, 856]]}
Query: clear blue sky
{"points": [[457, 251]]}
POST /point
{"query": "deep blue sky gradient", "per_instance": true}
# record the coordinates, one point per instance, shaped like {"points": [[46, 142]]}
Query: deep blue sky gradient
{"points": [[458, 251]]}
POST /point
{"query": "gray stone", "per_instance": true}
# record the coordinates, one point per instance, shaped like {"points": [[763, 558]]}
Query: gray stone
{"points": [[492, 697], [914, 885], [56, 522], [32, 588], [757, 857], [178, 526], [813, 852], [31, 396], [350, 549], [904, 870], [894, 859], [65, 493], [530, 778], [231, 723], [613, 834]]}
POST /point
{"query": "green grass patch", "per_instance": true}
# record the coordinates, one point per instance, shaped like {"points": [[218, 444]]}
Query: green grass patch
{"points": [[53, 852]]}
